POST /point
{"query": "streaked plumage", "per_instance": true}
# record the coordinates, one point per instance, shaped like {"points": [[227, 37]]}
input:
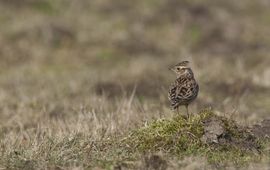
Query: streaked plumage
{"points": [[185, 88]]}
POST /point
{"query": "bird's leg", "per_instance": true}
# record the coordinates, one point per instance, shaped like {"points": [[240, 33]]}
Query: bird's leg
{"points": [[177, 110], [187, 111]]}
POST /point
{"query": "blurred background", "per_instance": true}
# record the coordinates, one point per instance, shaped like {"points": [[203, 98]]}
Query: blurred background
{"points": [[58, 58]]}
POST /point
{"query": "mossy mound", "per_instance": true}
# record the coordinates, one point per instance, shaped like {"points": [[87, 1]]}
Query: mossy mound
{"points": [[204, 135], [218, 138]]}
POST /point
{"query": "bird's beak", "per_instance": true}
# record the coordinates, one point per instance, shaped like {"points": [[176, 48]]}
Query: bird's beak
{"points": [[170, 68]]}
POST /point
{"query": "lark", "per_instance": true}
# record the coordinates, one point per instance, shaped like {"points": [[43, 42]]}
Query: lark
{"points": [[184, 89]]}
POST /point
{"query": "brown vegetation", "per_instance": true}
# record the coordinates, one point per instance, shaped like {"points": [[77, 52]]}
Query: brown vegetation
{"points": [[74, 73]]}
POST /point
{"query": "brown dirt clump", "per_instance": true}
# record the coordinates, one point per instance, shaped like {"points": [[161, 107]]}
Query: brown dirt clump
{"points": [[221, 132]]}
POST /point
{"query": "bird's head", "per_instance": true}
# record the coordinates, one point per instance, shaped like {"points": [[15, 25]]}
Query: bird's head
{"points": [[182, 68]]}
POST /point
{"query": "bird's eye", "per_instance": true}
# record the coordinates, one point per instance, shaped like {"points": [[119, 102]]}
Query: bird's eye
{"points": [[178, 68]]}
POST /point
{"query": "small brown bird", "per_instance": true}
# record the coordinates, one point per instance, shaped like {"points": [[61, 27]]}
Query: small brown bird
{"points": [[185, 88]]}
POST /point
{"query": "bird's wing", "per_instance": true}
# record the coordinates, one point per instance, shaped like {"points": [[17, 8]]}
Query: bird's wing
{"points": [[182, 91], [186, 89], [192, 89]]}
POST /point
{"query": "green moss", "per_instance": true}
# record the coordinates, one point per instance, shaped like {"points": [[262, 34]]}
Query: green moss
{"points": [[175, 134]]}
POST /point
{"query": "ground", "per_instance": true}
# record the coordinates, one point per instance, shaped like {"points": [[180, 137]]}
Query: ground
{"points": [[79, 78]]}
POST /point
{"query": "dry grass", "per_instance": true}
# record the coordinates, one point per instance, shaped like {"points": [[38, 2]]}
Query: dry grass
{"points": [[75, 73]]}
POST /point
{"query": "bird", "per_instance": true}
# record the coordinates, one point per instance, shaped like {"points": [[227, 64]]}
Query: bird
{"points": [[184, 89]]}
